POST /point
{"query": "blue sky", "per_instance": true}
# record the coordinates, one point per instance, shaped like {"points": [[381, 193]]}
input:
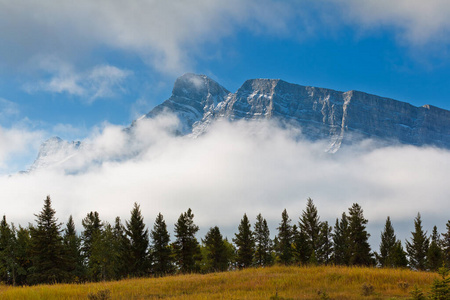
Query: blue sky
{"points": [[78, 69]]}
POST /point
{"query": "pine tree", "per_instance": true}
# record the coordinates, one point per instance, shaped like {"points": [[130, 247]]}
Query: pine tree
{"points": [[285, 239], [388, 242], [359, 246], [310, 226], [216, 251], [92, 227], [398, 256], [418, 247], [8, 264], [47, 250], [161, 250], [302, 249], [121, 246], [341, 241], [445, 244], [91, 236], [325, 244], [139, 241], [263, 243], [245, 244], [434, 251], [23, 256], [187, 249], [72, 249]]}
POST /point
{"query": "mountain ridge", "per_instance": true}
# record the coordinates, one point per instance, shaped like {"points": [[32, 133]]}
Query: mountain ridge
{"points": [[339, 118]]}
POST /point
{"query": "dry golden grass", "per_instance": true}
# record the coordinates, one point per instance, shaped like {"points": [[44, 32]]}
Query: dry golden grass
{"points": [[261, 283]]}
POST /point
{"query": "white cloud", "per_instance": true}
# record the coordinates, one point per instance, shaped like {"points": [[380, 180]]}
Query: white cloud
{"points": [[15, 143], [416, 22], [8, 109], [103, 81], [164, 33], [234, 169]]}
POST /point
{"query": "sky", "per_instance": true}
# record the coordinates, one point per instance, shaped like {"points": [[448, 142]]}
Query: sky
{"points": [[84, 70]]}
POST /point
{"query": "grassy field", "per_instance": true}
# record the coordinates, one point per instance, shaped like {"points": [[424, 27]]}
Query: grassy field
{"points": [[264, 283]]}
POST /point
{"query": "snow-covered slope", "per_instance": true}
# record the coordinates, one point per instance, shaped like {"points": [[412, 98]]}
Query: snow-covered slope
{"points": [[339, 118]]}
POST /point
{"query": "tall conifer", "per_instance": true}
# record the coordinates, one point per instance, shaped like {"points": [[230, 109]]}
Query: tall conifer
{"points": [[216, 251], [387, 245], [417, 248], [359, 238], [341, 241], [285, 239], [187, 249], [263, 243], [139, 242], [245, 244], [161, 250]]}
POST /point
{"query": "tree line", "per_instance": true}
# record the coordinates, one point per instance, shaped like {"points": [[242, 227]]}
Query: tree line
{"points": [[48, 252]]}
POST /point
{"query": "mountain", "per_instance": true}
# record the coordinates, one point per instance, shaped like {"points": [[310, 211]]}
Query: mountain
{"points": [[339, 118]]}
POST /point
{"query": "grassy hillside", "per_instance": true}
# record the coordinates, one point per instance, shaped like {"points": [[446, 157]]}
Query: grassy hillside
{"points": [[262, 283]]}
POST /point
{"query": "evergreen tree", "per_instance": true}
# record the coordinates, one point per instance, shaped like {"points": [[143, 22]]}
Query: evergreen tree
{"points": [[325, 244], [434, 251], [187, 249], [139, 242], [161, 250], [23, 255], [302, 249], [398, 256], [285, 239], [92, 228], [91, 236], [216, 251], [263, 243], [341, 241], [445, 244], [72, 249], [121, 246], [8, 264], [359, 245], [245, 244], [388, 242], [417, 248], [104, 257], [310, 226], [47, 250]]}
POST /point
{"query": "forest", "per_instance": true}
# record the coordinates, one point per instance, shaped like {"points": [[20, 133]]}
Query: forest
{"points": [[51, 252]]}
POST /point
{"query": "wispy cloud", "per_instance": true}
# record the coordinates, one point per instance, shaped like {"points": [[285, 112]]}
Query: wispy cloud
{"points": [[8, 109], [235, 168], [102, 81]]}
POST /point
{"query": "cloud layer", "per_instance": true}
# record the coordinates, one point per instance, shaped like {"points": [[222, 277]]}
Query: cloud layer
{"points": [[234, 169]]}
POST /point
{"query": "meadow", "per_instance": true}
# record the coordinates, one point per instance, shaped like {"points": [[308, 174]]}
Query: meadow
{"points": [[277, 282]]}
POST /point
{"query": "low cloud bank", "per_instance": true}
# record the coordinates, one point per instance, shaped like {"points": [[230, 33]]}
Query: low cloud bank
{"points": [[236, 168]]}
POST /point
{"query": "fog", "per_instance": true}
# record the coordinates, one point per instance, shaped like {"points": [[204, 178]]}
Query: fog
{"points": [[235, 168]]}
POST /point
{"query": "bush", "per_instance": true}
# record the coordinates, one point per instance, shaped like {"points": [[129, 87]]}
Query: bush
{"points": [[367, 289]]}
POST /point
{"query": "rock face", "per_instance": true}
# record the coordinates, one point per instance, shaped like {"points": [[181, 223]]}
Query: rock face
{"points": [[339, 117]]}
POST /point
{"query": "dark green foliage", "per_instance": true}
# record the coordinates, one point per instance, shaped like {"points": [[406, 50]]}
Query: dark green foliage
{"points": [[139, 242], [161, 250], [72, 249], [310, 226], [92, 228], [23, 255], [47, 249], [388, 241], [398, 256], [245, 244], [263, 243], [8, 264], [445, 244], [440, 290], [187, 249], [302, 249], [325, 244], [417, 294], [285, 239], [434, 252], [216, 251], [417, 248], [121, 246], [359, 245], [341, 241]]}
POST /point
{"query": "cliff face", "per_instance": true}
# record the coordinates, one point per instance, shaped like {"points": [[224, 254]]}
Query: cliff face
{"points": [[339, 117]]}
